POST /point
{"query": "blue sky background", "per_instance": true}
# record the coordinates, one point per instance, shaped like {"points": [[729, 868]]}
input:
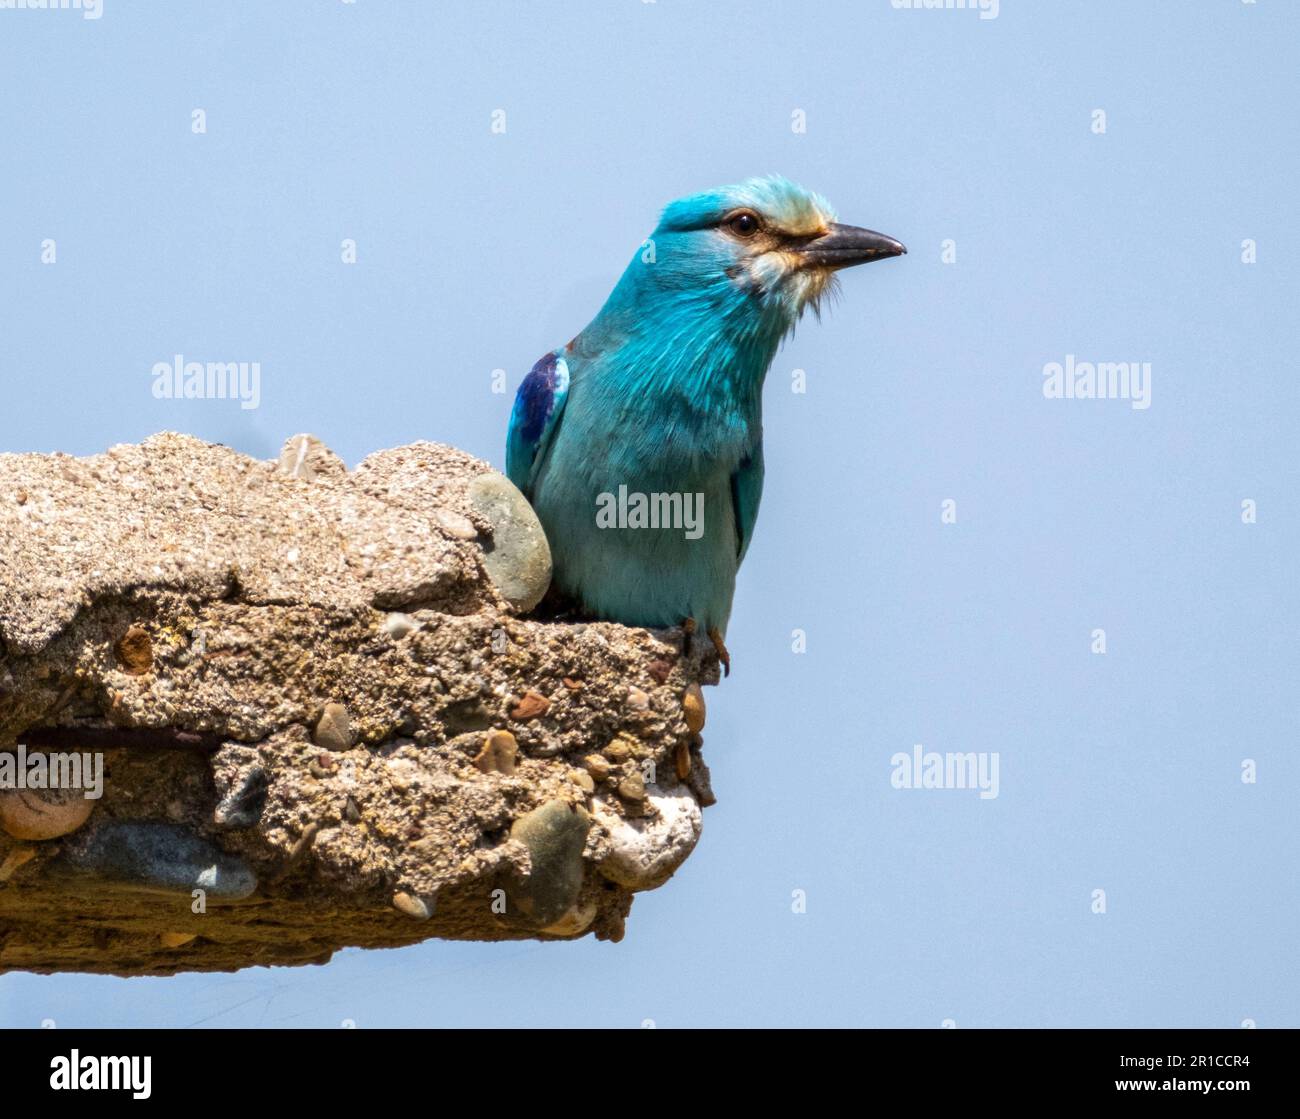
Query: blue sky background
{"points": [[477, 251]]}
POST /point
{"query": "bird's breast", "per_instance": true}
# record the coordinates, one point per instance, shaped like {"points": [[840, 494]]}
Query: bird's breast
{"points": [[671, 433]]}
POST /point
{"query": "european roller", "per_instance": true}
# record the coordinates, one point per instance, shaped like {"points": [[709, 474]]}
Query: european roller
{"points": [[640, 443]]}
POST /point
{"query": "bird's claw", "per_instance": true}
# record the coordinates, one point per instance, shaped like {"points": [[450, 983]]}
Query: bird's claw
{"points": [[689, 627], [723, 656]]}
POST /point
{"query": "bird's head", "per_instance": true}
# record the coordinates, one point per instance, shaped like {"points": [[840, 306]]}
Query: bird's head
{"points": [[766, 242]]}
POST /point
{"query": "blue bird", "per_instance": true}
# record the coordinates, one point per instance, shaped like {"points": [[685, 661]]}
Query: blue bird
{"points": [[640, 443]]}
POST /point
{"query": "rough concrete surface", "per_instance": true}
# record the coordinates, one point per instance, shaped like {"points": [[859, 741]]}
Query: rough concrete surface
{"points": [[324, 715]]}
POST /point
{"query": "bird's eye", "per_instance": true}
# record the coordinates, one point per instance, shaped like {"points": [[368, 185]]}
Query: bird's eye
{"points": [[743, 224]]}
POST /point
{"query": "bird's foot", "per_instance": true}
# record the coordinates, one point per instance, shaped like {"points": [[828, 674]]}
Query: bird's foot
{"points": [[688, 631], [723, 656]]}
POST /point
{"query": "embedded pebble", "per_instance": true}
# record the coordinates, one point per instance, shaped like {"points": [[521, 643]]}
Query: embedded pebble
{"points": [[412, 906], [176, 939], [575, 921], [583, 780], [618, 750], [301, 845], [163, 857], [660, 669], [334, 728], [306, 458], [637, 699], [398, 626], [645, 850], [498, 754], [555, 835], [134, 650], [43, 813], [632, 787], [518, 558], [455, 524], [682, 761], [693, 708], [531, 706], [597, 766], [242, 805], [403, 773], [500, 642]]}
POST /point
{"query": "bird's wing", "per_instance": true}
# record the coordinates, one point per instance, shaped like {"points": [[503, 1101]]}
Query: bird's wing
{"points": [[746, 492], [536, 415]]}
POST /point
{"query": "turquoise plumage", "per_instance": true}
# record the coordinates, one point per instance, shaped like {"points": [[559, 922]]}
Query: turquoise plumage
{"points": [[639, 443]]}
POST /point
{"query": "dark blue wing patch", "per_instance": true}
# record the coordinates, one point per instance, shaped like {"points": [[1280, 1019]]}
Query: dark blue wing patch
{"points": [[536, 399], [746, 493], [538, 404]]}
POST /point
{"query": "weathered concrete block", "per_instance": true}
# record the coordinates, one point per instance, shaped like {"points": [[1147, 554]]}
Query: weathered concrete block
{"points": [[292, 672]]}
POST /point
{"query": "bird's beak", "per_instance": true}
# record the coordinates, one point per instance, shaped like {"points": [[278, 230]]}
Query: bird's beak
{"points": [[845, 245]]}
